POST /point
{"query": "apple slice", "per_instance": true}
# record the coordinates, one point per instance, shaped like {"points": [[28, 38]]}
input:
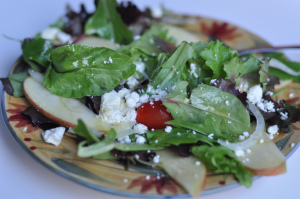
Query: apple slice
{"points": [[94, 41], [65, 111], [189, 172], [265, 159], [181, 34]]}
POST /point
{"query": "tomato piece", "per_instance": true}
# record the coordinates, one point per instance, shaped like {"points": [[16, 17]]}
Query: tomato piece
{"points": [[153, 114]]}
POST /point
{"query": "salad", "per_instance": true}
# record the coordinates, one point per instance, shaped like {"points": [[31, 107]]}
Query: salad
{"points": [[152, 99]]}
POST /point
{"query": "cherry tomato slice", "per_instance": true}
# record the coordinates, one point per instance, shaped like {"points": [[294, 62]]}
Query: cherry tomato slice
{"points": [[153, 114]]}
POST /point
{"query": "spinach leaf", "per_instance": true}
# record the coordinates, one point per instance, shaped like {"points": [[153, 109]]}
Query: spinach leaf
{"points": [[223, 160], [206, 128], [36, 52], [79, 71], [174, 69], [176, 137], [215, 55], [106, 22], [208, 100]]}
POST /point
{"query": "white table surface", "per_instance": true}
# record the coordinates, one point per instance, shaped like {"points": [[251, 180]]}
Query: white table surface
{"points": [[22, 177]]}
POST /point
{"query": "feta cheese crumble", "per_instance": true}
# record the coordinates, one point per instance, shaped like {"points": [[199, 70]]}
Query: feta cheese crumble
{"points": [[273, 129], [140, 140], [156, 159], [283, 116], [115, 110], [54, 136], [168, 129], [254, 94], [55, 34], [211, 136], [140, 128]]}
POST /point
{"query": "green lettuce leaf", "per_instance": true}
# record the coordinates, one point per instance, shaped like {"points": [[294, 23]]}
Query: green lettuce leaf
{"points": [[175, 137], [82, 130], [145, 49], [16, 81], [208, 100], [79, 71], [174, 69], [283, 75], [236, 68], [223, 160], [215, 55], [107, 23], [36, 52]]}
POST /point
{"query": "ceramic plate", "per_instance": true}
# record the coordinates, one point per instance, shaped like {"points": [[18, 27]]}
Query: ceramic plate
{"points": [[110, 176]]}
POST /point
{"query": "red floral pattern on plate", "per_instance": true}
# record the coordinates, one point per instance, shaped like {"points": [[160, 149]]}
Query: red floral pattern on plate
{"points": [[158, 182], [22, 120], [220, 31]]}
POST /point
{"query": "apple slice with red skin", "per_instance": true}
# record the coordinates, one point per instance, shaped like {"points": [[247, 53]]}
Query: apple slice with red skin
{"points": [[189, 172], [265, 159], [94, 41], [66, 111]]}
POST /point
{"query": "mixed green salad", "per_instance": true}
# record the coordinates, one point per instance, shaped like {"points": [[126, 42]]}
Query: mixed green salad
{"points": [[156, 102]]}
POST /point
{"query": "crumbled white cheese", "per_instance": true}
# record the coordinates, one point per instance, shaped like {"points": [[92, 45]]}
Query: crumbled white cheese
{"points": [[197, 163], [140, 66], [144, 98], [292, 145], [140, 140], [115, 110], [168, 129], [283, 116], [124, 139], [273, 129], [211, 136], [193, 70], [55, 34], [214, 82], [63, 37], [291, 95], [50, 33], [136, 37], [254, 94], [242, 137], [239, 153], [125, 180], [54, 136], [227, 102], [131, 115], [266, 106], [132, 82], [246, 134], [140, 128], [156, 159], [123, 92], [261, 141], [132, 99]]}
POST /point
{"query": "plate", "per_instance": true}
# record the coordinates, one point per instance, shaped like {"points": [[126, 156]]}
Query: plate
{"points": [[110, 176]]}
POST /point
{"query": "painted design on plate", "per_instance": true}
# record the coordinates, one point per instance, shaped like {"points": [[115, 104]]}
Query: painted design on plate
{"points": [[108, 175], [160, 183], [22, 121], [221, 31]]}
